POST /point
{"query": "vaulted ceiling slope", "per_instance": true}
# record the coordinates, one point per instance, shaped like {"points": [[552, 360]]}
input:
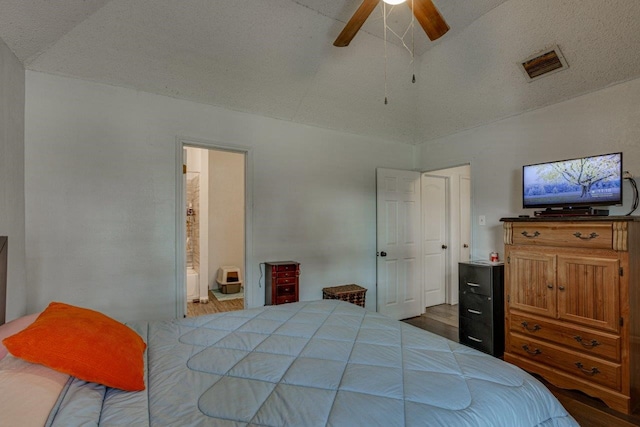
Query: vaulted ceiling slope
{"points": [[275, 57]]}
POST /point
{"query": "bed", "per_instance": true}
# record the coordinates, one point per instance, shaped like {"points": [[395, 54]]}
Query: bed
{"points": [[316, 363]]}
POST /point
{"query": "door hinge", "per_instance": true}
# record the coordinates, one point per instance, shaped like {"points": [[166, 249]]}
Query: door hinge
{"points": [[509, 260], [621, 271], [508, 298], [621, 321]]}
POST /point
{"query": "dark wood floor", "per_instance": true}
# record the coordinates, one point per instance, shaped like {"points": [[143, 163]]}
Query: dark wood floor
{"points": [[587, 411]]}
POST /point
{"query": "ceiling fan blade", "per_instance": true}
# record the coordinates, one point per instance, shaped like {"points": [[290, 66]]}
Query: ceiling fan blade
{"points": [[356, 21], [429, 18]]}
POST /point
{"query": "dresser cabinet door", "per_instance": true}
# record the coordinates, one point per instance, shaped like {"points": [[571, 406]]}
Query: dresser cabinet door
{"points": [[588, 291], [531, 282]]}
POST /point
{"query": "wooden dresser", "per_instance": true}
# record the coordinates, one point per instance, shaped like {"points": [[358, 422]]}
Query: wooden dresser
{"points": [[281, 282], [572, 303]]}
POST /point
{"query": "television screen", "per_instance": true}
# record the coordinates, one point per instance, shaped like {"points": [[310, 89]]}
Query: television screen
{"points": [[587, 181]]}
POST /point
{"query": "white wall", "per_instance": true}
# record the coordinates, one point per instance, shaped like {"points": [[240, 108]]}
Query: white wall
{"points": [[100, 196], [12, 98], [600, 122], [226, 212]]}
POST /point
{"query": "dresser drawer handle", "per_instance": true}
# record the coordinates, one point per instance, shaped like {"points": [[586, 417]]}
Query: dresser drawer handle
{"points": [[591, 372], [592, 344], [530, 236], [472, 311], [589, 237], [474, 338], [473, 285], [535, 328], [535, 352]]}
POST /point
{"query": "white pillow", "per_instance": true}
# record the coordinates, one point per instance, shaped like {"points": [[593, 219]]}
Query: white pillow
{"points": [[13, 328], [28, 392]]}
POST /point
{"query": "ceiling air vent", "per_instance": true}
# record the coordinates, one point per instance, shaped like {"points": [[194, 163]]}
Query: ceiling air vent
{"points": [[542, 64]]}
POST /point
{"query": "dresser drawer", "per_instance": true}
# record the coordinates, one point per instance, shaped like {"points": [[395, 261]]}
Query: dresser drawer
{"points": [[474, 280], [582, 366], [478, 308], [287, 273], [285, 299], [579, 235], [286, 289], [586, 340], [285, 280], [285, 267]]}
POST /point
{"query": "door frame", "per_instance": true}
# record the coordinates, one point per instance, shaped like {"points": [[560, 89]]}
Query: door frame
{"points": [[453, 253], [181, 232], [447, 236]]}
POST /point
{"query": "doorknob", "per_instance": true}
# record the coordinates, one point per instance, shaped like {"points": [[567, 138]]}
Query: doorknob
{"points": [[444, 246], [383, 253], [465, 246]]}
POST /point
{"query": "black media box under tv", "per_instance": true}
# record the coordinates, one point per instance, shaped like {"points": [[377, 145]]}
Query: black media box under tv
{"points": [[572, 212]]}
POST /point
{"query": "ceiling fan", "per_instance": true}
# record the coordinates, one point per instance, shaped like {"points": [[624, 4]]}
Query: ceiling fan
{"points": [[424, 10]]}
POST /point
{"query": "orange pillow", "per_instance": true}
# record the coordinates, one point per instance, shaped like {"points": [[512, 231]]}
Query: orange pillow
{"points": [[83, 343]]}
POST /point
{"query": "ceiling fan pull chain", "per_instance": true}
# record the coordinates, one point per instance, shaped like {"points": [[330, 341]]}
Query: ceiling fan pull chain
{"points": [[384, 21], [413, 41]]}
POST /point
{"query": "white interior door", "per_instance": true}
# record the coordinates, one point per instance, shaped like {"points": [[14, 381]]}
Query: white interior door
{"points": [[398, 243], [434, 238]]}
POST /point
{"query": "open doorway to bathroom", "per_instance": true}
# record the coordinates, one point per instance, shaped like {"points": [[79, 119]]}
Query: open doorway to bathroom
{"points": [[214, 212]]}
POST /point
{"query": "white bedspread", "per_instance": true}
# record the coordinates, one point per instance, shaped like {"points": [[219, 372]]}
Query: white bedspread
{"points": [[312, 364]]}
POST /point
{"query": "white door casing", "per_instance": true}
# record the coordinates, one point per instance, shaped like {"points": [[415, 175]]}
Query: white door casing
{"points": [[434, 238], [465, 219], [398, 243]]}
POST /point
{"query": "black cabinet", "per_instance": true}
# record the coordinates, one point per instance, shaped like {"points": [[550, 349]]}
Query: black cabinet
{"points": [[481, 306]]}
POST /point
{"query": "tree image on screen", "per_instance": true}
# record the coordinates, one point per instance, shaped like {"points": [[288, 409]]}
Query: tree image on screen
{"points": [[594, 180], [584, 173]]}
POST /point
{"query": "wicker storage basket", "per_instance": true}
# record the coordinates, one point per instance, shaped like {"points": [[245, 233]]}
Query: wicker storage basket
{"points": [[351, 293]]}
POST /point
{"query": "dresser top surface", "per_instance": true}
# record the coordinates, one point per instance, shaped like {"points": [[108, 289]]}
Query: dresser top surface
{"points": [[592, 218]]}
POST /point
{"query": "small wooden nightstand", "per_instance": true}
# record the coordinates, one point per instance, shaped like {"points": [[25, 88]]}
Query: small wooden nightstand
{"points": [[281, 282]]}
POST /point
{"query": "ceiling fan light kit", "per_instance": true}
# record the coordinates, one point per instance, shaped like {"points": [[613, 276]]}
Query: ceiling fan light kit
{"points": [[425, 13]]}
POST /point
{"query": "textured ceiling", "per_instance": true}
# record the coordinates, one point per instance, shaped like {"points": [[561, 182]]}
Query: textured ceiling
{"points": [[275, 57]]}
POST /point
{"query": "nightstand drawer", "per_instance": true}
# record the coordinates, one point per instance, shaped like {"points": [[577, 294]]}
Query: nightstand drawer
{"points": [[285, 280], [285, 299], [288, 273], [475, 280], [286, 290], [478, 308], [476, 334]]}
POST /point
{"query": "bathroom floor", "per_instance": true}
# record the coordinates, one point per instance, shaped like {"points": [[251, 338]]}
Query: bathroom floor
{"points": [[195, 309]]}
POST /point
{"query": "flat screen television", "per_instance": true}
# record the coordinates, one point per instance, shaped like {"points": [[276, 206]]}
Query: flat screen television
{"points": [[573, 183]]}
